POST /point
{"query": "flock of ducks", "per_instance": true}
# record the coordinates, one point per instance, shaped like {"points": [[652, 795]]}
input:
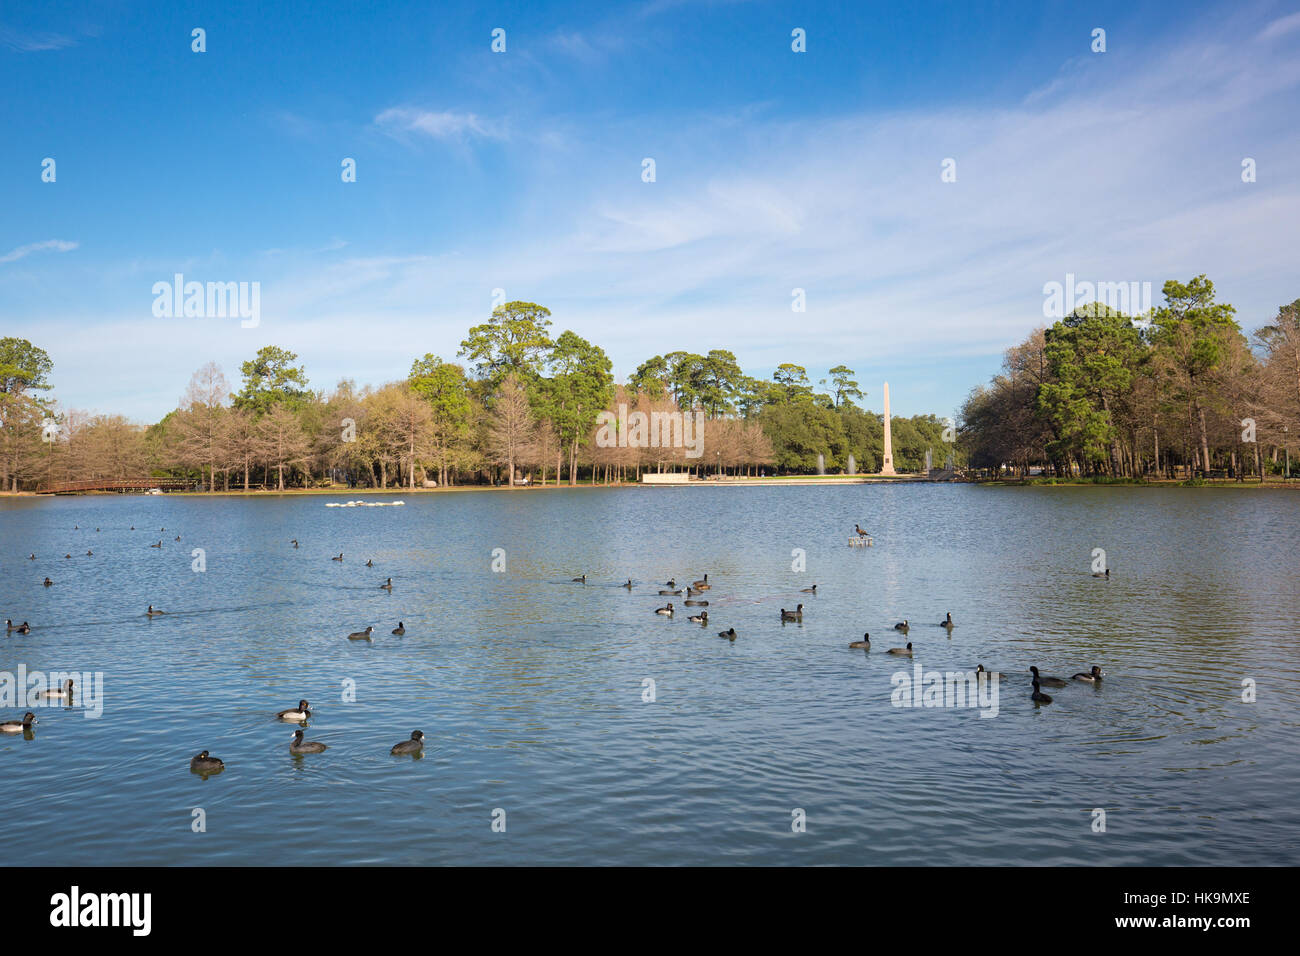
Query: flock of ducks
{"points": [[205, 764]]}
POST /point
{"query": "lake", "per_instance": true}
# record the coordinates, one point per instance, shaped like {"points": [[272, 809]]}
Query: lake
{"points": [[532, 690]]}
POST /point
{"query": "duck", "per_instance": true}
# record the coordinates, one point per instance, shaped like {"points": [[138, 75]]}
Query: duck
{"points": [[1099, 574], [361, 635], [369, 563], [902, 626], [204, 763], [1038, 695], [339, 558], [691, 590], [811, 590], [947, 621], [701, 618], [670, 583], [665, 610], [89, 553], [902, 651], [301, 712], [862, 645], [702, 584], [60, 693], [387, 585], [859, 531], [153, 612], [581, 580], [666, 591], [68, 555], [19, 726], [729, 633], [32, 556], [294, 542], [400, 629], [177, 538], [1046, 681], [300, 746], [23, 628], [981, 669], [158, 545], [795, 615], [690, 603], [49, 583], [413, 746], [629, 584], [10, 626], [1092, 677]]}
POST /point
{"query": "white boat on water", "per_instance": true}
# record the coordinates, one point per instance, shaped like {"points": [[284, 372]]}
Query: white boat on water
{"points": [[364, 504]]}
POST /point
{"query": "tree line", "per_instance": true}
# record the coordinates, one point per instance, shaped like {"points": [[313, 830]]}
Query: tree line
{"points": [[1179, 392], [521, 405]]}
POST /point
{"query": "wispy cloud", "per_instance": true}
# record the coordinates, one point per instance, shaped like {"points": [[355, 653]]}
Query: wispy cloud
{"points": [[34, 41], [49, 245], [444, 124], [1281, 27]]}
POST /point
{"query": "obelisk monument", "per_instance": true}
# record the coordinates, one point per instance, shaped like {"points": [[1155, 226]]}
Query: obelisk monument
{"points": [[887, 466]]}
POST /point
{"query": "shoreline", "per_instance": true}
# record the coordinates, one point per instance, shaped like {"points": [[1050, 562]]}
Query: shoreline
{"points": [[782, 481]]}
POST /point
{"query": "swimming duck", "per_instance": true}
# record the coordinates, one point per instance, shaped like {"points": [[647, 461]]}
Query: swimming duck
{"points": [[1046, 681], [48, 583], [412, 746], [862, 645], [178, 537], [23, 628], [360, 635], [665, 610], [153, 612], [629, 584], [300, 746], [158, 545], [19, 726], [301, 712], [31, 557], [670, 583], [1098, 574], [369, 563], [902, 626], [61, 693], [387, 585], [295, 542], [89, 553], [701, 618], [67, 555], [795, 615], [991, 675], [702, 584], [729, 633], [400, 629], [690, 603], [690, 590], [666, 591], [902, 651], [1092, 677], [581, 580], [202, 763], [1038, 695], [947, 620], [339, 558], [811, 590]]}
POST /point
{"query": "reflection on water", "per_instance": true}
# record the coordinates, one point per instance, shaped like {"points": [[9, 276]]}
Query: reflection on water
{"points": [[530, 687]]}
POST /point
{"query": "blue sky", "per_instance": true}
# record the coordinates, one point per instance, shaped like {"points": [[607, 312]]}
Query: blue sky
{"points": [[521, 171]]}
